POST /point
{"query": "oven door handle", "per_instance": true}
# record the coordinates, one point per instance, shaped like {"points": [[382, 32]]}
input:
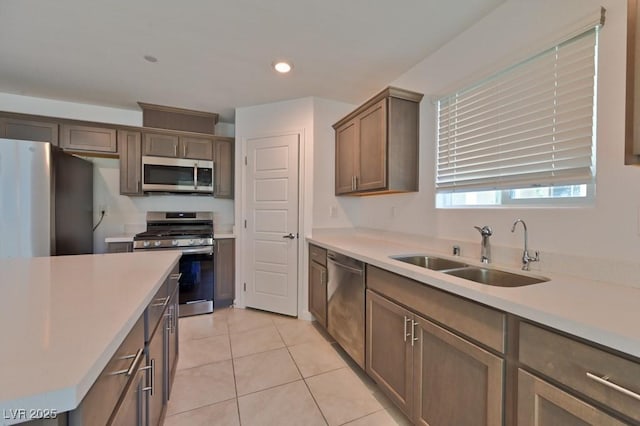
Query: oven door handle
{"points": [[195, 176], [203, 250]]}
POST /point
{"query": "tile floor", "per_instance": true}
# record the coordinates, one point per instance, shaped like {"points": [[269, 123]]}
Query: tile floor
{"points": [[247, 367]]}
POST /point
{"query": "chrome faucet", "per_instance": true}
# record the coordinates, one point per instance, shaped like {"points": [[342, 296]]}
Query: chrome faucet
{"points": [[526, 259], [485, 250]]}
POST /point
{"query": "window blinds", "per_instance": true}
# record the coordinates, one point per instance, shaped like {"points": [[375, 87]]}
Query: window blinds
{"points": [[533, 124]]}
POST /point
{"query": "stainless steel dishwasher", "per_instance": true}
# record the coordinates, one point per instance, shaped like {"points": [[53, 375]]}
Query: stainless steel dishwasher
{"points": [[345, 304]]}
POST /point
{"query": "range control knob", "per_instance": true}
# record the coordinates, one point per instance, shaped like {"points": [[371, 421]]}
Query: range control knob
{"points": [[190, 242], [201, 241], [174, 243], [157, 243], [145, 243]]}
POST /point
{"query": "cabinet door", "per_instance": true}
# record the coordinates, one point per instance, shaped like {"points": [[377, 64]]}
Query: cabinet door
{"points": [[455, 381], [389, 350], [155, 376], [172, 342], [130, 145], [372, 170], [223, 158], [318, 292], [225, 288], [196, 148], [130, 410], [160, 145], [121, 247], [29, 130], [541, 404], [347, 152], [88, 139]]}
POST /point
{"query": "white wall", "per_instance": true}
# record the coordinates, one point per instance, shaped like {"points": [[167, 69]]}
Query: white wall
{"points": [[312, 118], [610, 229], [124, 215], [329, 211]]}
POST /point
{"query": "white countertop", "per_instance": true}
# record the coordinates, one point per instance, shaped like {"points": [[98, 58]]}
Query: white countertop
{"points": [[604, 313], [223, 236], [62, 319]]}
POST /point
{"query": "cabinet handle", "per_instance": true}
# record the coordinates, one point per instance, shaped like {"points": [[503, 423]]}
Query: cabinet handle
{"points": [[175, 150], [606, 382], [355, 182], [163, 304], [195, 175], [184, 150], [151, 377], [323, 277], [406, 321], [414, 338], [129, 371]]}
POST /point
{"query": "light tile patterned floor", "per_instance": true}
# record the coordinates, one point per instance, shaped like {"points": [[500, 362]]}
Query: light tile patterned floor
{"points": [[247, 367]]}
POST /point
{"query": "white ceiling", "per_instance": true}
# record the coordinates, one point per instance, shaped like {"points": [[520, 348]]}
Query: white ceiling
{"points": [[215, 55]]}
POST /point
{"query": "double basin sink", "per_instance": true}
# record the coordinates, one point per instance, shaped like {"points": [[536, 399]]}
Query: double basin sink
{"points": [[478, 274]]}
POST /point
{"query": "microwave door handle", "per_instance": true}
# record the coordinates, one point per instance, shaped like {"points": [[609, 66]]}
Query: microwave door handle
{"points": [[195, 176]]}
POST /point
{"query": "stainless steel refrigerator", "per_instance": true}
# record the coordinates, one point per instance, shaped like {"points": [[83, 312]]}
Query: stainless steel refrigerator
{"points": [[46, 201]]}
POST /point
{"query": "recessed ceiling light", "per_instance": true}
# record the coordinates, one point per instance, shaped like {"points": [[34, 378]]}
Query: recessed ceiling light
{"points": [[282, 67], [150, 58]]}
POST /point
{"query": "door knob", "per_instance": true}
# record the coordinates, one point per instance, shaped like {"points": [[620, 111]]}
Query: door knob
{"points": [[289, 236]]}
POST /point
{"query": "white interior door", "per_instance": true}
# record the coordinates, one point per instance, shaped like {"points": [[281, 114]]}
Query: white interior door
{"points": [[271, 237]]}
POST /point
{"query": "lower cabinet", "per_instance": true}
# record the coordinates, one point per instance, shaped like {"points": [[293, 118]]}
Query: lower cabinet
{"points": [[154, 385], [130, 410], [540, 403], [171, 337], [318, 292], [225, 264], [434, 376], [120, 247]]}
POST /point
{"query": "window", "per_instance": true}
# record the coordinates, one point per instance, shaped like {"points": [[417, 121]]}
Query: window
{"points": [[525, 135]]}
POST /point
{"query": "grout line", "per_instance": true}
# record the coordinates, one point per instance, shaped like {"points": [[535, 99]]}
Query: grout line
{"points": [[198, 408], [304, 380]]}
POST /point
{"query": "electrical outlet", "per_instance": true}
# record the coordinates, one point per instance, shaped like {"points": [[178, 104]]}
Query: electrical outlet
{"points": [[333, 211]]}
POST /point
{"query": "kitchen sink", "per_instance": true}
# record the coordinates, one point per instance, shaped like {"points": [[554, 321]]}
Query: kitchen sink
{"points": [[430, 262], [494, 277]]}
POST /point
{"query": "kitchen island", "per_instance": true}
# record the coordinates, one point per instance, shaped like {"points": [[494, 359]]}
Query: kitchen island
{"points": [[63, 318]]}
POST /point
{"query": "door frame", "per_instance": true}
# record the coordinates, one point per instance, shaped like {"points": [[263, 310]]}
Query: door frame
{"points": [[305, 210]]}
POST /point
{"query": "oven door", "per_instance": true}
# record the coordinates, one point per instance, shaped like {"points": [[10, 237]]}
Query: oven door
{"points": [[162, 174], [196, 282]]}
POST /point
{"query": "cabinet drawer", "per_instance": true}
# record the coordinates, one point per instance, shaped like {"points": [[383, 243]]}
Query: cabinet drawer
{"points": [[482, 324], [88, 139], [569, 362], [155, 310], [100, 402], [318, 254]]}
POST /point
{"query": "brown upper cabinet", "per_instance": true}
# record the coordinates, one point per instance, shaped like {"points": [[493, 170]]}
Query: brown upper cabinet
{"points": [[29, 130], [377, 145], [223, 167], [80, 138], [172, 118], [130, 147], [170, 145]]}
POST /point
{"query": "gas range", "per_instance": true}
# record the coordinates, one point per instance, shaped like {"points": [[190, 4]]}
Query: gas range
{"points": [[192, 234], [177, 230]]}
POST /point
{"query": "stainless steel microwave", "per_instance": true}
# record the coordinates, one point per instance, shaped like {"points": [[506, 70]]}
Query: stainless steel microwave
{"points": [[161, 174]]}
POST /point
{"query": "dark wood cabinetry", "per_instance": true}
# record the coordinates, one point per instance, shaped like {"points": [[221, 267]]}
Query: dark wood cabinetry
{"points": [[318, 284], [29, 130], [130, 148], [225, 286], [223, 167], [377, 145], [540, 404], [79, 138], [430, 372], [160, 144], [176, 146]]}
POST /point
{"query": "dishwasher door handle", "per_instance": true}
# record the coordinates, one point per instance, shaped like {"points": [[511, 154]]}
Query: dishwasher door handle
{"points": [[348, 268]]}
